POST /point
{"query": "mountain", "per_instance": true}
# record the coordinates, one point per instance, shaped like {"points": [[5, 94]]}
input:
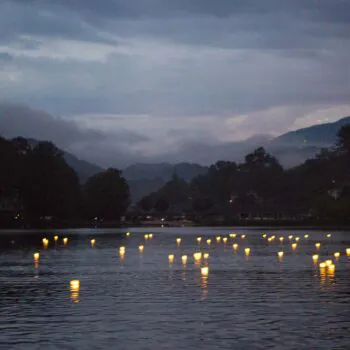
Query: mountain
{"points": [[296, 146]]}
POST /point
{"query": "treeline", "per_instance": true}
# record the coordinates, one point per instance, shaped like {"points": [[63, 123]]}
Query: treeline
{"points": [[38, 187], [260, 188]]}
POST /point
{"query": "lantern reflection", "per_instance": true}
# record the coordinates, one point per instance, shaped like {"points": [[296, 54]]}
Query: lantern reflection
{"points": [[74, 287], [36, 257], [204, 271]]}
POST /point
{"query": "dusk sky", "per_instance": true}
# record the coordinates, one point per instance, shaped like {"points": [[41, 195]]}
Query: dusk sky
{"points": [[124, 81]]}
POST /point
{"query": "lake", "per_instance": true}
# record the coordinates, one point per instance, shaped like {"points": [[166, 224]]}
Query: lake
{"points": [[141, 301]]}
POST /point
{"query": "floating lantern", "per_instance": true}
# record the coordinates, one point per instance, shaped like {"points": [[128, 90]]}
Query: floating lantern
{"points": [[122, 250], [206, 255], [273, 238], [45, 242], [235, 246], [234, 235], [178, 241], [315, 257], [93, 241], [297, 239], [318, 245], [208, 241], [247, 251], [281, 239], [348, 251], [184, 259], [171, 258], [337, 254], [74, 285], [204, 271], [329, 235], [264, 235], [36, 256], [197, 256], [290, 236], [294, 246], [65, 241], [199, 239], [55, 238], [224, 240], [306, 236], [141, 248], [128, 234], [331, 267], [146, 236], [150, 235], [280, 254], [322, 265], [218, 239], [328, 262], [243, 236]]}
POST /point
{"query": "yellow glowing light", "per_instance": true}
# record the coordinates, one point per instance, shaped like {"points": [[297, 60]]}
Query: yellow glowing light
{"points": [[55, 238], [322, 265], [171, 258], [150, 235], [93, 241], [290, 236], [331, 267], [318, 245], [273, 237], [146, 236], [184, 259], [247, 251], [36, 256], [264, 235], [197, 256], [224, 240], [218, 239], [74, 285], [206, 255], [122, 250], [281, 239], [128, 234], [306, 236], [234, 235], [199, 239], [329, 235], [45, 242], [337, 254], [243, 236], [294, 246], [208, 241], [297, 239], [235, 246], [141, 248], [204, 271], [280, 254], [178, 241], [348, 251], [315, 257], [328, 262], [65, 241]]}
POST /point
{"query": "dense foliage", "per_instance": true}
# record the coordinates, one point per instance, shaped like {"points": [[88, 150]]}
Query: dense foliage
{"points": [[36, 185], [260, 188]]}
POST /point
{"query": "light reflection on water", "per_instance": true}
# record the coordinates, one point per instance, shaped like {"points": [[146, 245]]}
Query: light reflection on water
{"points": [[140, 301]]}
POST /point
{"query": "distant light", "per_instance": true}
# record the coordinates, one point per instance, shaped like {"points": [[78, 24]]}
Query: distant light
{"points": [[297, 239], [328, 262], [184, 259], [208, 241], [197, 256], [318, 245], [218, 239], [199, 239], [331, 267], [128, 234], [348, 251], [45, 242], [141, 248], [281, 239], [178, 241], [150, 235], [74, 285], [206, 255], [146, 236], [247, 251], [280, 254], [315, 257], [329, 235], [290, 236], [234, 235], [122, 250], [264, 235], [322, 265], [337, 254], [171, 258], [36, 256], [306, 236], [55, 238], [294, 246], [65, 240], [235, 246], [224, 240], [204, 271], [93, 241], [243, 236], [162, 219]]}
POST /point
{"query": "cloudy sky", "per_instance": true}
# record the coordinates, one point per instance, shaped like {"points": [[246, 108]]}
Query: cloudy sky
{"points": [[120, 81]]}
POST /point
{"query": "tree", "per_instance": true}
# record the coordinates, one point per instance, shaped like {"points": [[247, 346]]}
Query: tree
{"points": [[107, 195], [146, 203], [162, 205], [343, 142]]}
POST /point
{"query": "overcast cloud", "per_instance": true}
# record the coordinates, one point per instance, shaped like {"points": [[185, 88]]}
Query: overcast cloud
{"points": [[151, 80]]}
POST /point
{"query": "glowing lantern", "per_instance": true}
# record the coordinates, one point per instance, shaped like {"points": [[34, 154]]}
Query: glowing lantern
{"points": [[297, 239], [294, 246], [224, 240], [184, 259], [178, 241], [218, 239], [93, 241], [290, 236], [247, 251], [128, 234], [234, 235], [329, 235], [206, 255], [328, 262], [348, 251], [65, 241], [197, 256], [264, 235], [315, 257], [199, 239], [146, 236], [235, 246], [273, 238], [318, 245], [306, 236], [122, 250], [243, 236], [74, 285], [280, 254], [208, 241], [281, 239], [150, 235], [331, 267], [171, 258], [141, 248], [36, 256], [204, 271], [337, 254], [322, 265], [45, 242], [55, 238]]}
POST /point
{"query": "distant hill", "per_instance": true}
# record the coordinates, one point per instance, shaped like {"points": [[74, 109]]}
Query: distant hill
{"points": [[296, 146]]}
